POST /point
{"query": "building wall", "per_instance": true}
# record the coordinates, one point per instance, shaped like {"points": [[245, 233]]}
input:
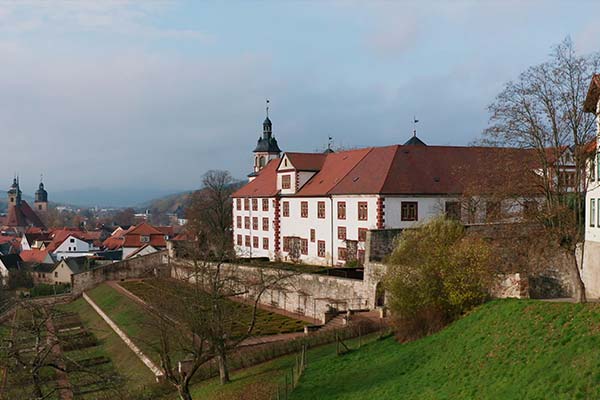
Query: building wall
{"points": [[251, 251], [591, 253], [73, 247], [428, 208]]}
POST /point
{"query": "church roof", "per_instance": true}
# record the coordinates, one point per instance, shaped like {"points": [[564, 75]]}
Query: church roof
{"points": [[22, 215], [267, 145]]}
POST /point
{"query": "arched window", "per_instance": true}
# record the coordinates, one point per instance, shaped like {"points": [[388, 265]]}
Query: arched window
{"points": [[262, 161]]}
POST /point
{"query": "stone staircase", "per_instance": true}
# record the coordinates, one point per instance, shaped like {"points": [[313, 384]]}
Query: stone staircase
{"points": [[337, 322]]}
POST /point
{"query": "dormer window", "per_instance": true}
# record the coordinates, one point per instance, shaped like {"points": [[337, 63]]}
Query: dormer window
{"points": [[145, 239], [286, 182]]}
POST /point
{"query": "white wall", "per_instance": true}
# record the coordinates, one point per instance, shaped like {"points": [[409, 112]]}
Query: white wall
{"points": [[73, 247], [244, 251], [428, 208]]}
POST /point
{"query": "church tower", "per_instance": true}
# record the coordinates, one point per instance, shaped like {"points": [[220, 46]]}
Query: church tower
{"points": [[41, 199], [14, 193], [266, 147]]}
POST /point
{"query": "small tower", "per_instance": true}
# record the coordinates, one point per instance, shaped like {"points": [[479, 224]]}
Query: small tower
{"points": [[14, 193], [266, 147], [41, 198]]}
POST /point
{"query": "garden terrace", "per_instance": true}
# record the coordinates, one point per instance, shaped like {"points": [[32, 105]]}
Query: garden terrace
{"points": [[341, 272], [267, 322]]}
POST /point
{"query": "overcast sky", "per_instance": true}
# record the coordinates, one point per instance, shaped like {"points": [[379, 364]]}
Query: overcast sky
{"points": [[139, 94]]}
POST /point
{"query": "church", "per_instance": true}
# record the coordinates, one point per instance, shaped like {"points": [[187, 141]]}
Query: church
{"points": [[20, 215], [317, 208]]}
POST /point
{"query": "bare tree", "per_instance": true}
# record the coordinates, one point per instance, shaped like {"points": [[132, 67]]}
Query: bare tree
{"points": [[543, 111]]}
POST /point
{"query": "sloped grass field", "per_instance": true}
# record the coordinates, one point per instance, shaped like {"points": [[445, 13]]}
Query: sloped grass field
{"points": [[506, 349], [267, 322]]}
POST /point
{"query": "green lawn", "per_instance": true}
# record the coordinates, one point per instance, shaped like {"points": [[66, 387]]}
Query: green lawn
{"points": [[127, 364], [506, 349]]}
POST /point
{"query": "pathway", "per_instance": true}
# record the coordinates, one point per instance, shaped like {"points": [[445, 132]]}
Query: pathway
{"points": [[155, 370]]}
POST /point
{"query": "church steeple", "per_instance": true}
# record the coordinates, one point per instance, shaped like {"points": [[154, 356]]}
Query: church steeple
{"points": [[266, 147], [14, 193], [41, 198]]}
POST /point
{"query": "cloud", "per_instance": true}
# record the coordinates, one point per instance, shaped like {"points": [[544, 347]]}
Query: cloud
{"points": [[115, 17]]}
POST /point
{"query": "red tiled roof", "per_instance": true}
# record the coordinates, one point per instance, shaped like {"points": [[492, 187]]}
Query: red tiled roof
{"points": [[264, 185], [402, 170], [136, 241], [34, 255], [166, 230], [21, 215], [335, 167], [144, 229], [306, 161]]}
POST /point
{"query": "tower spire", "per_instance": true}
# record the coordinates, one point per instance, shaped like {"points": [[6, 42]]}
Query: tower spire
{"points": [[267, 107], [415, 122]]}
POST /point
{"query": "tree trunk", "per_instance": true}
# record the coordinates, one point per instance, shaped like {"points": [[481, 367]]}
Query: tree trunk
{"points": [[184, 392], [223, 367], [579, 286], [37, 387]]}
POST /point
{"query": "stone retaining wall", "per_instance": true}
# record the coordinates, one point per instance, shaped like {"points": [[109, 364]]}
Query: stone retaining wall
{"points": [[155, 264]]}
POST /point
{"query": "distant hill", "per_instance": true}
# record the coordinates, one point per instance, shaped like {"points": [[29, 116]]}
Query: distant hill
{"points": [[172, 202], [108, 197]]}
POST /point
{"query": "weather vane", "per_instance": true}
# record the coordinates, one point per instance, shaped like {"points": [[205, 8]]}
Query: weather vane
{"points": [[267, 102], [415, 122]]}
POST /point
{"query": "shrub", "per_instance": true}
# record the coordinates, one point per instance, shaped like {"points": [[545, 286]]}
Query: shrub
{"points": [[435, 274]]}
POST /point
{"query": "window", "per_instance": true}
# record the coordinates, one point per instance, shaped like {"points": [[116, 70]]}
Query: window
{"points": [[56, 274], [247, 240], [303, 246], [246, 204], [342, 232], [265, 243], [265, 204], [255, 242], [341, 210], [39, 206], [592, 170], [362, 234], [255, 223], [238, 221], [238, 204], [239, 240], [363, 211], [286, 243], [72, 240], [265, 223], [304, 209], [144, 239], [321, 209], [286, 182], [342, 253], [592, 211], [409, 211], [452, 209], [312, 235], [247, 222], [286, 208], [321, 248], [254, 204]]}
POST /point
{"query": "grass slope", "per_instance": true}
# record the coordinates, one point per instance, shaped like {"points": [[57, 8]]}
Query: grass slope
{"points": [[506, 349], [125, 361]]}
